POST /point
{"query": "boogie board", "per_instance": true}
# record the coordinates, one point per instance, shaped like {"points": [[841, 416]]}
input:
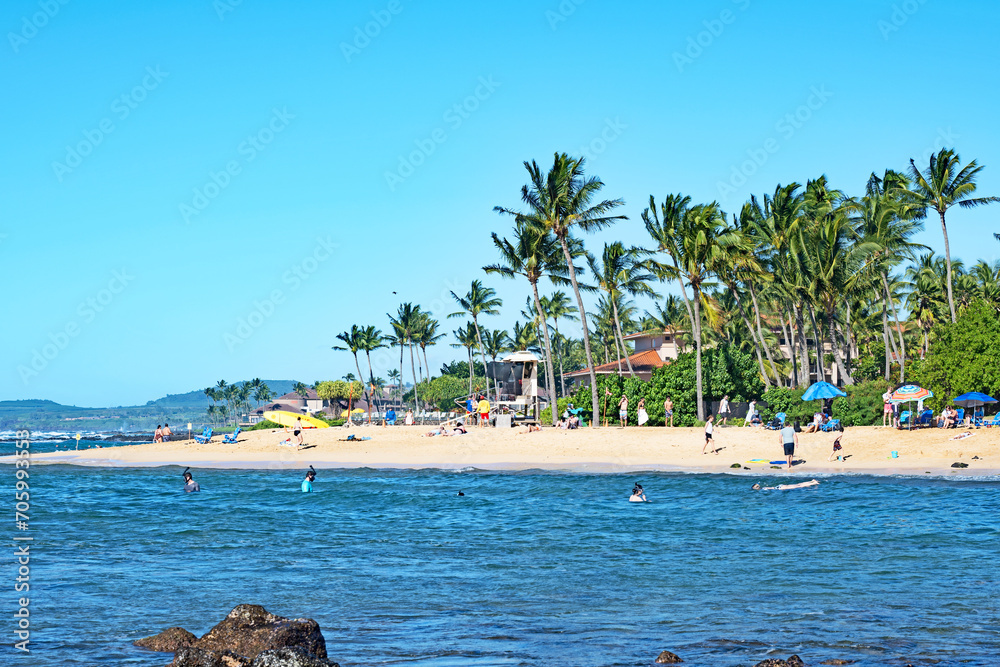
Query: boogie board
{"points": [[288, 419]]}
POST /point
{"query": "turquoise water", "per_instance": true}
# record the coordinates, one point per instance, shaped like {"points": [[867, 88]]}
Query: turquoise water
{"points": [[527, 568]]}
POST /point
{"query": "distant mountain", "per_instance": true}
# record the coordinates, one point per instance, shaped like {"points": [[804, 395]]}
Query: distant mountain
{"points": [[39, 414]]}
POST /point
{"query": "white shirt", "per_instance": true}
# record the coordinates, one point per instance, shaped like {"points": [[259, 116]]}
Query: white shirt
{"points": [[708, 428], [724, 406]]}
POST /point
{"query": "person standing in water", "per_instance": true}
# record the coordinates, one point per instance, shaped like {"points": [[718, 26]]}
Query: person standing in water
{"points": [[307, 483], [190, 486], [638, 494]]}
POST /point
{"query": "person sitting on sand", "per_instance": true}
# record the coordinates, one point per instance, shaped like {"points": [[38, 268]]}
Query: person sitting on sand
{"points": [[574, 422], [158, 434], [307, 483], [836, 447], [638, 494], [755, 421], [167, 432], [785, 487], [531, 429], [190, 486], [815, 423]]}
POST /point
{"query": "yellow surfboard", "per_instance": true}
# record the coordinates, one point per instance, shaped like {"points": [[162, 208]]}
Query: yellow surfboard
{"points": [[288, 419]]}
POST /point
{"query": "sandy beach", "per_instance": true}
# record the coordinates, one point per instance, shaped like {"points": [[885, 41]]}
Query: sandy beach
{"points": [[867, 450]]}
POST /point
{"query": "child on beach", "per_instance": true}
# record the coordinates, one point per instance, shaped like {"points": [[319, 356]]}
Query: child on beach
{"points": [[709, 429], [836, 447]]}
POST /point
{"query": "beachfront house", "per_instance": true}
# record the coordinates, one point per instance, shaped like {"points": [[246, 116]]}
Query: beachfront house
{"points": [[652, 350]]}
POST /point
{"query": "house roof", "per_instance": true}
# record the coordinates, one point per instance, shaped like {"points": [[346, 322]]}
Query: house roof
{"points": [[652, 334], [642, 362], [292, 396]]}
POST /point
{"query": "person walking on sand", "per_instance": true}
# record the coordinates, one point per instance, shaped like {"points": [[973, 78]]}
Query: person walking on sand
{"points": [[623, 410], [789, 438], [709, 440], [167, 433], [297, 432], [641, 415], [158, 434], [409, 418], [724, 409], [668, 412]]}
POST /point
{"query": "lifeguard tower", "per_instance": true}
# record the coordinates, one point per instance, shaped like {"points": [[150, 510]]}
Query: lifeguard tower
{"points": [[517, 376]]}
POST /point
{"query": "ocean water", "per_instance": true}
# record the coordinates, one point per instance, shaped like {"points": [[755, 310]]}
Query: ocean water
{"points": [[528, 568]]}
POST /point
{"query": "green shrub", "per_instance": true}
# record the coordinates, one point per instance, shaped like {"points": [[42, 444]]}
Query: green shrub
{"points": [[263, 425]]}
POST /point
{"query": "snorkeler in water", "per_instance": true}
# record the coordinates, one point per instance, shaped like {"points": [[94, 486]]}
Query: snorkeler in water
{"points": [[638, 494], [307, 485], [190, 486]]}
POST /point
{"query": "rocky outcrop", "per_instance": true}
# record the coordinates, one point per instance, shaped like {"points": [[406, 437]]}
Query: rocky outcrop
{"points": [[793, 661], [249, 636], [199, 657], [290, 657], [668, 657], [250, 629], [170, 640]]}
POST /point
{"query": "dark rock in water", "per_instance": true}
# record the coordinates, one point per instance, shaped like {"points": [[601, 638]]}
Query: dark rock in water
{"points": [[249, 629], [170, 640], [290, 657], [959, 464], [197, 657], [793, 661], [837, 661], [668, 657]]}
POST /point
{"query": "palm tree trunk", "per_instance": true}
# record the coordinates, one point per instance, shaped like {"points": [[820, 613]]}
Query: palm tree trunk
{"points": [[471, 362], [595, 415], [842, 369], [760, 333], [818, 339], [621, 337], [400, 388], [482, 351], [898, 328], [800, 325], [885, 341], [413, 370], [696, 327], [549, 368], [753, 335], [559, 354], [787, 331], [947, 263], [618, 351]]}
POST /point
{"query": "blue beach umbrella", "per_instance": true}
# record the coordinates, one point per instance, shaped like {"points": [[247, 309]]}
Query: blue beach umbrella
{"points": [[821, 390], [974, 399]]}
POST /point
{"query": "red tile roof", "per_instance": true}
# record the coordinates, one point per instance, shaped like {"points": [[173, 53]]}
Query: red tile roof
{"points": [[642, 362]]}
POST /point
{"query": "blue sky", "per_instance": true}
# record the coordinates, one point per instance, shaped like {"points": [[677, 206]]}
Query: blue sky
{"points": [[173, 168]]}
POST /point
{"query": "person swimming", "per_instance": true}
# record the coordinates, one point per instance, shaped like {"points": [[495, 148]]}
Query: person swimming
{"points": [[784, 487], [638, 494], [307, 485], [190, 486]]}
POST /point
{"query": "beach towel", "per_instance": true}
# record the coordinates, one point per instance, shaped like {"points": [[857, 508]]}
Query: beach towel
{"points": [[962, 436]]}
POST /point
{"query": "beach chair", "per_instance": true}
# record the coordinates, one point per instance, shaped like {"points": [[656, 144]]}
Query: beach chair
{"points": [[904, 418], [960, 420], [204, 437], [995, 422], [977, 418], [771, 426], [231, 439], [832, 425], [925, 418]]}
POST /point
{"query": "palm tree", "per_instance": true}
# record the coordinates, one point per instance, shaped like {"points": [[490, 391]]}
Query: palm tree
{"points": [[405, 324], [560, 201], [478, 301], [534, 253], [524, 337], [426, 335], [665, 319], [396, 378], [694, 238], [354, 341], [622, 271], [942, 185]]}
